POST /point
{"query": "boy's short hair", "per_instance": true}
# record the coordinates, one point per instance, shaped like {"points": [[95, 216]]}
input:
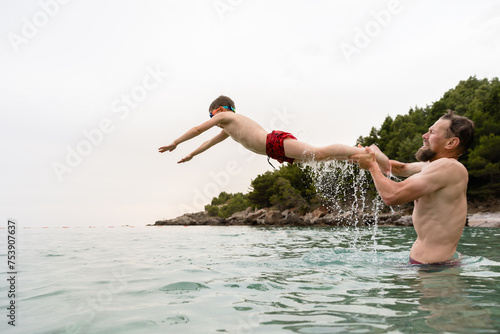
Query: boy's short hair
{"points": [[221, 101], [460, 127]]}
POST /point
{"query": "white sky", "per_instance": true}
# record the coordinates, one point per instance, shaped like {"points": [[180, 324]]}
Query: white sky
{"points": [[68, 66]]}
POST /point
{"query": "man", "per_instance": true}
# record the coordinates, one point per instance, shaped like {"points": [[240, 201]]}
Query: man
{"points": [[437, 185]]}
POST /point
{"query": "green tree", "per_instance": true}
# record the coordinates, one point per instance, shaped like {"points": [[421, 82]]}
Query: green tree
{"points": [[478, 99], [262, 189], [226, 204], [237, 203], [268, 185], [287, 197], [221, 199]]}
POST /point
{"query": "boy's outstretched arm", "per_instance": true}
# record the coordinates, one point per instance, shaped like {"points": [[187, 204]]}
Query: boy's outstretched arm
{"points": [[205, 146], [191, 133]]}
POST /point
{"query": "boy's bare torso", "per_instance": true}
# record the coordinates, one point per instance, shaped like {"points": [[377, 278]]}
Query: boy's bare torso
{"points": [[243, 130]]}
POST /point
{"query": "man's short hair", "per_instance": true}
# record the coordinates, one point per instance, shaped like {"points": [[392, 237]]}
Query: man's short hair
{"points": [[462, 128], [221, 101]]}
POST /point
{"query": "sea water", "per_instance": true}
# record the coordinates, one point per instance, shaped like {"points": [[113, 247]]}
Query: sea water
{"points": [[239, 279]]}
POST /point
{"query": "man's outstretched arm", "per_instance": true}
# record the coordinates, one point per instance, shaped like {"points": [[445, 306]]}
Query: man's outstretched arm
{"points": [[395, 167], [414, 187], [406, 169]]}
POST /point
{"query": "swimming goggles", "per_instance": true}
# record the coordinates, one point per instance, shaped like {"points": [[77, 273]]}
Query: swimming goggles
{"points": [[227, 107]]}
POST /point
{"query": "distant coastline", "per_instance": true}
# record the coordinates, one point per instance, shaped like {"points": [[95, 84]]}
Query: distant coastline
{"points": [[484, 214], [479, 215]]}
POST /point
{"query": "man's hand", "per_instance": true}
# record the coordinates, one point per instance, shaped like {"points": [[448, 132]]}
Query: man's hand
{"points": [[382, 159], [169, 148], [364, 160], [187, 158]]}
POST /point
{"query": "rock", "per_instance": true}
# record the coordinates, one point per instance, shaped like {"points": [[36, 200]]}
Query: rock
{"points": [[332, 219], [273, 217], [293, 219], [489, 224], [320, 212], [239, 215], [404, 221], [387, 218], [268, 217], [197, 218], [310, 217], [257, 214]]}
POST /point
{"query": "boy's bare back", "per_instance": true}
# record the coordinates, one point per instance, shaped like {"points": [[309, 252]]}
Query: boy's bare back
{"points": [[243, 130]]}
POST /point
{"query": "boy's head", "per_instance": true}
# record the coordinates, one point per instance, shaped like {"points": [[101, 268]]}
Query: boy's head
{"points": [[221, 102]]}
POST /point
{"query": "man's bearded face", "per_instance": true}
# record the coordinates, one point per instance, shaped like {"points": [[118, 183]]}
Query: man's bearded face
{"points": [[425, 153]]}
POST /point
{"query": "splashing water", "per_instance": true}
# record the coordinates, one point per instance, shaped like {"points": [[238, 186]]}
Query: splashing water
{"points": [[343, 186]]}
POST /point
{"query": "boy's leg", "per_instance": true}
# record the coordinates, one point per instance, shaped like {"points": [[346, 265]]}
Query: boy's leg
{"points": [[304, 152]]}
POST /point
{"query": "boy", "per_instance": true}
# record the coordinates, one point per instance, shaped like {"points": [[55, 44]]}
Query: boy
{"points": [[278, 145]]}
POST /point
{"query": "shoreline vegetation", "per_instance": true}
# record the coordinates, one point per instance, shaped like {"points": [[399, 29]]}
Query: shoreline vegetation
{"points": [[339, 193], [483, 215]]}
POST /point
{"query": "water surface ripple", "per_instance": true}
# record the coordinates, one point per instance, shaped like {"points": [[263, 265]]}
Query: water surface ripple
{"points": [[248, 280]]}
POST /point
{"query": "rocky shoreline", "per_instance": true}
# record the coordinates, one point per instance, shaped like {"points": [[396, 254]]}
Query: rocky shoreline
{"points": [[319, 217]]}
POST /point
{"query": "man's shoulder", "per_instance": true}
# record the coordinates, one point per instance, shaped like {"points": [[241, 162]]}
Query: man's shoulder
{"points": [[448, 166], [448, 162]]}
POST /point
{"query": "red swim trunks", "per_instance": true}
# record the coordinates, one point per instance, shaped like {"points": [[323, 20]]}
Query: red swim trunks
{"points": [[275, 148]]}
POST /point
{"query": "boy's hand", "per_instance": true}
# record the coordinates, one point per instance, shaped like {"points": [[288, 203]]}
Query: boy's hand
{"points": [[187, 158], [169, 148]]}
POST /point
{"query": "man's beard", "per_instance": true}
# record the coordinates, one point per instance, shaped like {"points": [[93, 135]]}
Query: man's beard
{"points": [[425, 154]]}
